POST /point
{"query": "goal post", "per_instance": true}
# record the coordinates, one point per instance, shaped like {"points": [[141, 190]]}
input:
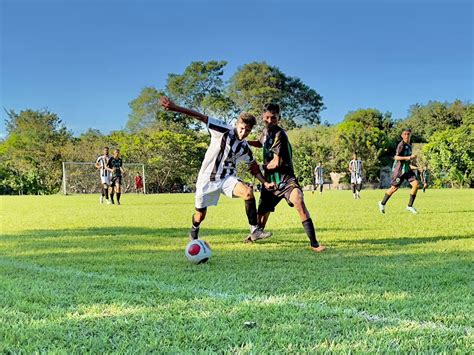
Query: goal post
{"points": [[84, 177]]}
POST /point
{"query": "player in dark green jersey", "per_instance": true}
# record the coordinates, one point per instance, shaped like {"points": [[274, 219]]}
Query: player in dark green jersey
{"points": [[115, 166], [278, 168], [402, 170]]}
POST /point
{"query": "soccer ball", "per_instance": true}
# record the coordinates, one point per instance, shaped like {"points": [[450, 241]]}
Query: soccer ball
{"points": [[198, 251]]}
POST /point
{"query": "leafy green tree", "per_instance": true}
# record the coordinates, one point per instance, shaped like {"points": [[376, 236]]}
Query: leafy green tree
{"points": [[32, 151], [255, 84], [450, 155]]}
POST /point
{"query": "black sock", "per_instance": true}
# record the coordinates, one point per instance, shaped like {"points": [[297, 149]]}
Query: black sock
{"points": [[385, 199], [321, 188], [353, 188], [251, 210], [359, 187], [412, 199], [310, 232], [112, 197], [194, 233], [118, 197], [106, 193]]}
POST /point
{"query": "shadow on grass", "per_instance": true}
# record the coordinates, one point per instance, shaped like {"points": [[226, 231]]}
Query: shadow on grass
{"points": [[405, 240]]}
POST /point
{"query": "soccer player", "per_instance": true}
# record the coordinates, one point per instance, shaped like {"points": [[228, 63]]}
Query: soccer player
{"points": [[139, 183], [115, 166], [402, 170], [278, 167], [319, 177], [101, 164], [217, 176], [355, 168]]}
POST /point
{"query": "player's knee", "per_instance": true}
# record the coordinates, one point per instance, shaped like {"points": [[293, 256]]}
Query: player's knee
{"points": [[248, 194]]}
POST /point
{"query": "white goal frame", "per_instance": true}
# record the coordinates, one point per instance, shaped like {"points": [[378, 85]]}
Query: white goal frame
{"points": [[128, 167]]}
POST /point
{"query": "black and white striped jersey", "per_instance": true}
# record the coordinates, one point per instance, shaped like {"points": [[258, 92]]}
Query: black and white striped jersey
{"points": [[103, 160], [319, 173], [224, 152], [355, 166]]}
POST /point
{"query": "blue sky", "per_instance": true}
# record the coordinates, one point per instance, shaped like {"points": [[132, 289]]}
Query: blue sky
{"points": [[86, 60]]}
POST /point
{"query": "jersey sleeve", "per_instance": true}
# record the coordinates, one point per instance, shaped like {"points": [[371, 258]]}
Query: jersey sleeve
{"points": [[280, 143], [217, 128], [399, 149], [109, 163]]}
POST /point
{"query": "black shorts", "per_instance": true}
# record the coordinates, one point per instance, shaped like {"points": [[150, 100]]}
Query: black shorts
{"points": [[269, 199], [116, 180], [409, 176]]}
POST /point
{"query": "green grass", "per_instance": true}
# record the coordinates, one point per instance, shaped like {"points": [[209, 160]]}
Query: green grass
{"points": [[76, 276]]}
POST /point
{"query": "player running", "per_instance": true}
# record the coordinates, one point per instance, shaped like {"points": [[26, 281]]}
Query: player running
{"points": [[319, 177], [115, 166], [101, 164], [402, 170], [217, 176], [355, 168], [278, 167]]}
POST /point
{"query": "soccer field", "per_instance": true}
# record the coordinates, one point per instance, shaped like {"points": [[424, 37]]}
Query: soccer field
{"points": [[76, 276]]}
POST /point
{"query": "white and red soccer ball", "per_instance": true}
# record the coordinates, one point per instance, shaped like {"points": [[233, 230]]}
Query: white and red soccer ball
{"points": [[197, 251]]}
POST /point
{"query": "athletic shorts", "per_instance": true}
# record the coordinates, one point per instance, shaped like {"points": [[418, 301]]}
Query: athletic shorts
{"points": [[318, 182], [409, 176], [269, 199], [105, 179], [356, 179], [116, 180], [208, 192]]}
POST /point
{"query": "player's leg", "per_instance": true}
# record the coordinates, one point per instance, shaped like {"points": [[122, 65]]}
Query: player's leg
{"points": [[241, 190], [395, 184], [414, 189], [197, 219], [118, 189], [297, 199], [358, 186], [111, 191], [321, 188]]}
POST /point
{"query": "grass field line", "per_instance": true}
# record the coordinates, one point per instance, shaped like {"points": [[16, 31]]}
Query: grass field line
{"points": [[279, 299]]}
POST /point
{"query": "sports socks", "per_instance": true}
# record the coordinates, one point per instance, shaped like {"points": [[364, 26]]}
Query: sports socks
{"points": [[385, 199], [194, 233], [310, 232], [353, 188], [412, 199], [118, 196], [251, 210]]}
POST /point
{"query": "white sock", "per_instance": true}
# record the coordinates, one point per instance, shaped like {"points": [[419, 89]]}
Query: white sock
{"points": [[253, 228]]}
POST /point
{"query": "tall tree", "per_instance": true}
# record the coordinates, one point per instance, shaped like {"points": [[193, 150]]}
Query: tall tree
{"points": [[255, 84]]}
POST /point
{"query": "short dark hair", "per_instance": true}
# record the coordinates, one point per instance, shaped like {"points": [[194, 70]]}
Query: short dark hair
{"points": [[106, 147], [248, 119], [272, 107], [407, 130]]}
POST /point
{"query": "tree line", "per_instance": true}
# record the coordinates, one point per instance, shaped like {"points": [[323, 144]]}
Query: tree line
{"points": [[172, 146]]}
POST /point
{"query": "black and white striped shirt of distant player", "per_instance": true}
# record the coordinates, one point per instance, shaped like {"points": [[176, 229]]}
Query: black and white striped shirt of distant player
{"points": [[355, 166], [102, 162], [225, 151]]}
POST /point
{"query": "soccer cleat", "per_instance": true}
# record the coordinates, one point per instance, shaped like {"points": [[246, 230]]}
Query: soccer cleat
{"points": [[257, 234], [412, 209], [381, 207], [355, 196], [101, 199], [319, 249], [118, 202]]}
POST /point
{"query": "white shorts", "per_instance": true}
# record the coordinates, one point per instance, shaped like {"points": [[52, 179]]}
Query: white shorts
{"points": [[208, 192], [319, 182], [105, 180], [356, 179]]}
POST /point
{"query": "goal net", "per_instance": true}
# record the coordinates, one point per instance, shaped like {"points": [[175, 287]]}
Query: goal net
{"points": [[84, 178]]}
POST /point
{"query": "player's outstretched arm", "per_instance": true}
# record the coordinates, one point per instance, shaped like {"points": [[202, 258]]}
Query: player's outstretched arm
{"points": [[171, 106], [255, 144], [255, 171]]}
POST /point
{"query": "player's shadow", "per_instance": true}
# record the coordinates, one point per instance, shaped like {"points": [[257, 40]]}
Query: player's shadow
{"points": [[404, 240]]}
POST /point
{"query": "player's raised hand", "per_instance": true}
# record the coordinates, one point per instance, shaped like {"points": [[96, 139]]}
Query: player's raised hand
{"points": [[167, 103]]}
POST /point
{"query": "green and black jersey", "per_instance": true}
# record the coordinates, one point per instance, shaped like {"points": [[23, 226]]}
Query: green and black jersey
{"points": [[115, 164], [401, 167], [275, 142]]}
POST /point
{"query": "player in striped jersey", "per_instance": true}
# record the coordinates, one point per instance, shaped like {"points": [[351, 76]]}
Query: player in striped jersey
{"points": [[217, 176], [355, 168], [402, 170], [101, 164], [318, 177], [278, 166]]}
